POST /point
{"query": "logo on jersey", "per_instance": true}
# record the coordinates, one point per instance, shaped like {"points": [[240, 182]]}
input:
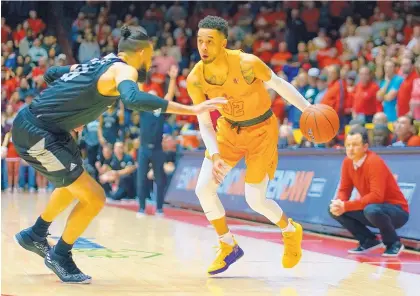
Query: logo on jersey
{"points": [[235, 80], [72, 166], [157, 112]]}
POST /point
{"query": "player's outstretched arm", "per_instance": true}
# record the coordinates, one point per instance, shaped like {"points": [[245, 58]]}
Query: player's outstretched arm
{"points": [[254, 68], [55, 72], [126, 84]]}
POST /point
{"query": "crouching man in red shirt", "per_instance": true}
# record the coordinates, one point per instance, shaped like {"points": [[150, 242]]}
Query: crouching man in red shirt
{"points": [[381, 205]]}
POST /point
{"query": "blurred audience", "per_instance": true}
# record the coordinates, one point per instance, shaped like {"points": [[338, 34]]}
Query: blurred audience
{"points": [[363, 62]]}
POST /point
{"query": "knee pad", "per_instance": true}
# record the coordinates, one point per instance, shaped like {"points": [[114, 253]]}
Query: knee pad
{"points": [[209, 200], [206, 191]]}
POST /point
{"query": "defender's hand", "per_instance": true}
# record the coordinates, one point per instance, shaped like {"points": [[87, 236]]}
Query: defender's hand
{"points": [[209, 105]]}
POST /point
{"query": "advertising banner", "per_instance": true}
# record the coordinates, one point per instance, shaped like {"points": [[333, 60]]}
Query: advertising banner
{"points": [[304, 185]]}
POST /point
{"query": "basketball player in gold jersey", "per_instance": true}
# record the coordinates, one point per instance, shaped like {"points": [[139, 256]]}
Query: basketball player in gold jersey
{"points": [[247, 129]]}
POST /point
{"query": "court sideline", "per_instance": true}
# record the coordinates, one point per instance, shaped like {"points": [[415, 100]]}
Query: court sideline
{"points": [[169, 256]]}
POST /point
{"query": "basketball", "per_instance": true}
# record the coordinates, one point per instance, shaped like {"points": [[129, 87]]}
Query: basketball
{"points": [[319, 123]]}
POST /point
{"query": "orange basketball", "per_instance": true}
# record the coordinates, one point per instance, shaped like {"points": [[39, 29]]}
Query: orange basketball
{"points": [[319, 123]]}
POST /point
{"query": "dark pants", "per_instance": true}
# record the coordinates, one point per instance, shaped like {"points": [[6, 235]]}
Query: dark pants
{"points": [[157, 158], [385, 217], [126, 188], [92, 154], [3, 174]]}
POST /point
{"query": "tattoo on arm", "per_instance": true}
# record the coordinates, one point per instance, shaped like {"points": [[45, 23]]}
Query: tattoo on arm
{"points": [[248, 72]]}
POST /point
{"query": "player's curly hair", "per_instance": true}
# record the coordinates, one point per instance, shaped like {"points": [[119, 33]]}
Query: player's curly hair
{"points": [[215, 23], [132, 39]]}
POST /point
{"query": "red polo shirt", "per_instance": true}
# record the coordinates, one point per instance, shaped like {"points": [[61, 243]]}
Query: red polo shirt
{"points": [[404, 94], [364, 98]]}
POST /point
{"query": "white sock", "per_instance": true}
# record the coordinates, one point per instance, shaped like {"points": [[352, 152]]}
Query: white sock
{"points": [[289, 228], [227, 238]]}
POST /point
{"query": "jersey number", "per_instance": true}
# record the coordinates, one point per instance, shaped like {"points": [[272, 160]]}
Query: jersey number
{"points": [[234, 109], [82, 68]]}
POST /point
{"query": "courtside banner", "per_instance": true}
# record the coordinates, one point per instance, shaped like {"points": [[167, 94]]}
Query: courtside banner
{"points": [[304, 184]]}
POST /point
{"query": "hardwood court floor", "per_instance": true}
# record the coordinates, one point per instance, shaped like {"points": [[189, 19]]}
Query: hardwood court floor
{"points": [[169, 256]]}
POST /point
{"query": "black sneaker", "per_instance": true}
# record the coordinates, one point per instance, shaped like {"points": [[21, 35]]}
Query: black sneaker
{"points": [[393, 250], [65, 268], [30, 241], [367, 246]]}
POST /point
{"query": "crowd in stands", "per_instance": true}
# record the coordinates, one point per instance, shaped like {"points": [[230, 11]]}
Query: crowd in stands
{"points": [[361, 58]]}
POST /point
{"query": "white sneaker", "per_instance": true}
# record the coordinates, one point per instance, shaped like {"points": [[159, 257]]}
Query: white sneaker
{"points": [[140, 215]]}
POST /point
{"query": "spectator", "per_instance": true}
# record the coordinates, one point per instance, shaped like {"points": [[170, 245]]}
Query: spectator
{"points": [[36, 24], [381, 204], [151, 152], [27, 175], [110, 124], [406, 132], [12, 160], [286, 138], [404, 93], [280, 58], [416, 38], [354, 41], [36, 51], [415, 94], [310, 16], [89, 49], [380, 118], [364, 30], [5, 30], [322, 86], [173, 50], [103, 165], [164, 62], [364, 96], [263, 48], [381, 136], [388, 91], [301, 84], [90, 142], [336, 95], [312, 90], [350, 78], [122, 174], [175, 13], [320, 41], [243, 17], [296, 31]]}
